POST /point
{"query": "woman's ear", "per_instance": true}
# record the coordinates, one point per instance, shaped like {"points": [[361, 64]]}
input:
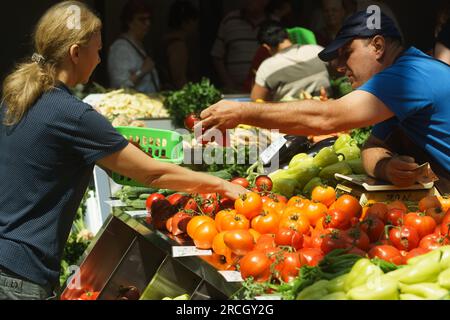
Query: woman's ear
{"points": [[74, 53]]}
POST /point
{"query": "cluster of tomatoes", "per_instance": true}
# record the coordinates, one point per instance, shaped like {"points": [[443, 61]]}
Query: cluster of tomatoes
{"points": [[266, 235]]}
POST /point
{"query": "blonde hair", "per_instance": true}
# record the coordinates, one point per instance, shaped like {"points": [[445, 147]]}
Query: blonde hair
{"points": [[63, 25]]}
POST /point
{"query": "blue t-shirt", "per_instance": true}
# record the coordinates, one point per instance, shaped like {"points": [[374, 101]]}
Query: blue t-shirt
{"points": [[416, 88], [46, 162]]}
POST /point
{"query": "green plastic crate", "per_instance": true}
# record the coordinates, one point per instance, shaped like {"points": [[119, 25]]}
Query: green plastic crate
{"points": [[302, 36], [162, 145]]}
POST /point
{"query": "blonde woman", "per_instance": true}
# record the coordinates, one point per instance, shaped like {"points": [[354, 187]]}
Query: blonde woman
{"points": [[50, 142]]}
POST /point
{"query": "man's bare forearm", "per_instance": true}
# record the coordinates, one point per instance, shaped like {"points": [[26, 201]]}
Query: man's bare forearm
{"points": [[375, 156], [307, 117]]}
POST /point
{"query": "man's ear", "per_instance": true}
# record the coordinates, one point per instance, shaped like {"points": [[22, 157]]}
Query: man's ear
{"points": [[379, 45], [74, 53]]}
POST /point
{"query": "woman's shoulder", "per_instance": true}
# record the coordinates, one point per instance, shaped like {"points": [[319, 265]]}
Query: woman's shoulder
{"points": [[64, 103]]}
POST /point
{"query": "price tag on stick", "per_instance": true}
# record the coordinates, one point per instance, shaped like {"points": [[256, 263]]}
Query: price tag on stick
{"points": [[267, 155]]}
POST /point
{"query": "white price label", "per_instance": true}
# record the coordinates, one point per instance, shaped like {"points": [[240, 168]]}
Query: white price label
{"points": [[137, 213], [272, 150], [232, 276], [116, 203], [178, 252], [268, 297]]}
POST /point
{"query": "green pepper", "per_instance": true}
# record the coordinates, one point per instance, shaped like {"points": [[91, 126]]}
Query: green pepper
{"points": [[360, 274], [444, 279], [329, 172], [445, 258], [343, 141], [424, 271], [336, 296], [429, 291], [408, 296], [315, 182], [356, 166], [397, 274], [284, 186], [326, 157], [315, 292], [382, 289], [300, 158], [337, 284], [350, 152], [303, 173], [430, 256]]}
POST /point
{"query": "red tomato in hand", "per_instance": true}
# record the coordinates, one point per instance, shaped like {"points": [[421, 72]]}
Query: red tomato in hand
{"points": [[404, 238], [423, 224], [264, 184], [387, 253], [190, 121]]}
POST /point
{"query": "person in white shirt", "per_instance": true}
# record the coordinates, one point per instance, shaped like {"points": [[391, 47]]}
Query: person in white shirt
{"points": [[129, 65]]}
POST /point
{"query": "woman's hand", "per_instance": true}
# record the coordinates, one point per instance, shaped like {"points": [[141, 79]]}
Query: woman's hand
{"points": [[233, 191]]}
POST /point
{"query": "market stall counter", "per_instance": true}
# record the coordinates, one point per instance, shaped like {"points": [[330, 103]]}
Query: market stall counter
{"points": [[129, 260]]}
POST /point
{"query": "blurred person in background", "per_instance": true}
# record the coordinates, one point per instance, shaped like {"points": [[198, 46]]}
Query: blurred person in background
{"points": [[291, 69], [129, 64], [442, 48], [236, 44], [334, 14], [277, 10], [183, 24]]}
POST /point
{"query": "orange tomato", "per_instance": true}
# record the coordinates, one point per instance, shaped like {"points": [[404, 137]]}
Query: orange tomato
{"points": [[249, 205], [266, 222], [275, 205], [219, 247], [349, 205], [298, 202], [204, 235], [240, 242], [233, 221], [324, 195], [256, 235], [428, 203], [196, 222], [221, 214], [297, 221], [265, 241], [315, 211]]}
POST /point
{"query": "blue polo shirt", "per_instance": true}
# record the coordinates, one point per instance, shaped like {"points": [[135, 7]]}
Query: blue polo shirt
{"points": [[416, 88], [46, 162]]}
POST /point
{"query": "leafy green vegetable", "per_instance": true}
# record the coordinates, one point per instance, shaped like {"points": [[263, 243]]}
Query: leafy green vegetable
{"points": [[361, 135], [193, 98]]}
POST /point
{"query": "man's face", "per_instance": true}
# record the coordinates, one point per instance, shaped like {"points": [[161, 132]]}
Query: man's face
{"points": [[358, 60]]}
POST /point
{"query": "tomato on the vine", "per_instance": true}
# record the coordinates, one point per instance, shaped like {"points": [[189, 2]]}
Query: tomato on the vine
{"points": [[241, 181], [265, 241], [291, 266]]}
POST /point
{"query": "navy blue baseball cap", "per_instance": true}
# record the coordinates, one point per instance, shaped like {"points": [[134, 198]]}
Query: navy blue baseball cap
{"points": [[358, 26]]}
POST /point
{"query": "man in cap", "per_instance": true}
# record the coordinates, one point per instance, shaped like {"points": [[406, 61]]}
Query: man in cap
{"points": [[403, 92]]}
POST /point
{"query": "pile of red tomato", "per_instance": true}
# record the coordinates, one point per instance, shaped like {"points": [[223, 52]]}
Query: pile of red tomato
{"points": [[264, 234]]}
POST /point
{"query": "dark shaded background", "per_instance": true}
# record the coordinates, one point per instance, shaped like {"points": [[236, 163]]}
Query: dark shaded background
{"points": [[417, 20]]}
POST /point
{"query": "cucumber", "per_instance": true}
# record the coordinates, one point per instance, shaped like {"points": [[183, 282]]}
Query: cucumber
{"points": [[138, 204], [144, 196], [135, 192]]}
